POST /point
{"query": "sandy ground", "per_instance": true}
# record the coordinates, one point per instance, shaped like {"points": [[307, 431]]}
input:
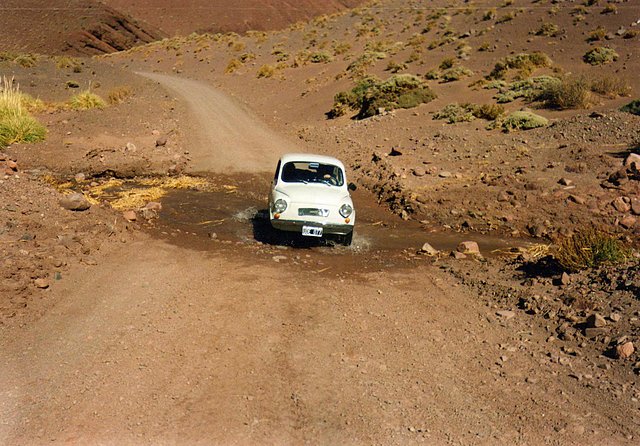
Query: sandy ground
{"points": [[165, 345]]}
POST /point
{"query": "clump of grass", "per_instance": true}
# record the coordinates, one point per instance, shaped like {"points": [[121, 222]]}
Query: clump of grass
{"points": [[489, 14], [506, 18], [523, 120], [523, 62], [119, 94], [395, 67], [453, 113], [590, 248], [340, 48], [528, 89], [64, 62], [320, 57], [632, 107], [455, 74], [548, 30], [232, 66], [600, 56], [597, 34], [266, 71], [372, 94], [358, 67], [567, 93], [16, 124], [610, 86], [26, 60], [86, 100], [610, 9]]}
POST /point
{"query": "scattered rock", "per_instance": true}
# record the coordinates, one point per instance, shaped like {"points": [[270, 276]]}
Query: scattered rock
{"points": [[635, 206], [12, 165], [428, 250], [615, 317], [75, 202], [130, 215], [79, 177], [161, 141], [628, 222], [444, 174], [565, 279], [213, 236], [595, 321], [623, 351], [632, 159], [576, 199], [41, 283], [148, 214], [419, 172], [130, 147], [469, 247], [154, 205], [621, 204], [506, 314], [458, 255], [565, 182], [279, 259]]}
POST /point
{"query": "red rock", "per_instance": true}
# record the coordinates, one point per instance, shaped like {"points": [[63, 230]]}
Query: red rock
{"points": [[75, 202], [41, 283], [12, 165], [628, 222], [621, 205], [458, 255], [130, 215], [625, 350], [468, 247]]}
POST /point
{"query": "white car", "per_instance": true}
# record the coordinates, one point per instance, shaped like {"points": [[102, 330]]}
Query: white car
{"points": [[310, 196]]}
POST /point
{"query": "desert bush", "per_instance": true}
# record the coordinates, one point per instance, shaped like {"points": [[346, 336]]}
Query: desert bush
{"points": [[610, 86], [266, 71], [610, 9], [117, 95], [566, 93], [590, 248], [632, 107], [320, 57], [453, 113], [371, 94], [455, 74], [447, 63], [16, 124], [247, 57], [506, 18], [26, 60], [523, 120], [600, 56], [395, 67], [490, 14], [86, 100], [489, 112], [523, 62], [630, 34], [340, 48], [63, 62], [529, 89], [548, 30], [597, 34], [358, 67]]}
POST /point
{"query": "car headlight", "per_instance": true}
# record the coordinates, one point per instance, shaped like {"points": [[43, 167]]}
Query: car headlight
{"points": [[280, 205], [345, 210]]}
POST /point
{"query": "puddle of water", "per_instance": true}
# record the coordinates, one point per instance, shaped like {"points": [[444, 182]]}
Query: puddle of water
{"points": [[238, 215]]}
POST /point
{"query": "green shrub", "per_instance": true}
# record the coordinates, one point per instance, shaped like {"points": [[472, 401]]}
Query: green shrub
{"points": [[371, 94], [529, 89], [455, 74], [16, 124], [523, 120], [526, 63], [600, 56], [547, 30], [320, 57], [86, 100], [590, 248], [632, 107], [453, 113]]}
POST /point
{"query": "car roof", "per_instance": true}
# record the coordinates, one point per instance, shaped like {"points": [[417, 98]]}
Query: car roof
{"points": [[309, 157]]}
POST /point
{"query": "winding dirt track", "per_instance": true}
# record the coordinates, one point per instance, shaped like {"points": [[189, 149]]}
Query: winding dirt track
{"points": [[164, 345]]}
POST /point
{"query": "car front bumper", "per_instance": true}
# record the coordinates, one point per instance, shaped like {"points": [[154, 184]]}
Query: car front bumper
{"points": [[296, 226]]}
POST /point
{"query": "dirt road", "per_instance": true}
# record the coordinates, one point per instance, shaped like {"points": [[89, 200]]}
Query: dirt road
{"points": [[159, 344]]}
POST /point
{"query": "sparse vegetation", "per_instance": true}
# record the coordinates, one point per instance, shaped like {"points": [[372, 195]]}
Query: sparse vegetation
{"points": [[266, 71], [547, 30], [64, 62], [320, 57], [16, 124], [86, 100], [119, 94], [610, 8], [371, 94], [600, 56], [597, 34], [632, 107], [453, 113], [395, 67], [523, 120], [524, 63], [590, 248]]}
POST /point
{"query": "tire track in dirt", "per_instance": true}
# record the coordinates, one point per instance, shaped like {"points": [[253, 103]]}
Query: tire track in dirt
{"points": [[223, 135]]}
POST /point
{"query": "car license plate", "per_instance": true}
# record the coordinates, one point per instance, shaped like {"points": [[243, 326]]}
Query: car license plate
{"points": [[312, 231]]}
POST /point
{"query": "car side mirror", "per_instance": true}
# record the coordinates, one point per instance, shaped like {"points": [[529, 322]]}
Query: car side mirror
{"points": [[352, 186]]}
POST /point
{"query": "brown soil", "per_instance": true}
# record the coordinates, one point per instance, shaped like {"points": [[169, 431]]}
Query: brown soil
{"points": [[180, 329]]}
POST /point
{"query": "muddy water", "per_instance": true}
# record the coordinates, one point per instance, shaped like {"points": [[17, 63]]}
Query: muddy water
{"points": [[234, 216]]}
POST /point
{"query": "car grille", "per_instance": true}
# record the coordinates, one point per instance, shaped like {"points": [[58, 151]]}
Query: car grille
{"points": [[313, 212]]}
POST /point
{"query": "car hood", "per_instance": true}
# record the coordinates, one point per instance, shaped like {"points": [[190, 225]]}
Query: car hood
{"points": [[315, 194]]}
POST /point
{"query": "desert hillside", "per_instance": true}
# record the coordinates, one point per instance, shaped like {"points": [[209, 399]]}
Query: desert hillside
{"points": [[226, 15]]}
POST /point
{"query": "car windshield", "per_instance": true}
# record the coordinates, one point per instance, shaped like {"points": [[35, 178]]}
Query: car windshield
{"points": [[312, 172]]}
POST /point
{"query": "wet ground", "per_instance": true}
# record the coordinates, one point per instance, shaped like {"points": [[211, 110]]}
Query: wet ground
{"points": [[233, 215]]}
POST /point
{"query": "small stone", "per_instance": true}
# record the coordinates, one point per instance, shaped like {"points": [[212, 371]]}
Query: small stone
{"points": [[625, 350], [213, 235], [130, 147], [154, 206], [595, 321], [148, 214], [632, 159], [428, 250], [593, 332], [395, 152], [12, 165], [506, 314], [503, 197], [615, 317], [130, 215], [79, 177], [419, 171], [161, 141], [635, 206], [41, 283], [75, 202], [279, 259], [628, 222], [458, 255], [565, 279], [576, 199], [621, 205], [565, 182], [444, 174], [468, 247]]}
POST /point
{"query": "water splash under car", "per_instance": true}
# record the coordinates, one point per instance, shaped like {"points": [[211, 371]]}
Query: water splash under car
{"points": [[310, 196]]}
